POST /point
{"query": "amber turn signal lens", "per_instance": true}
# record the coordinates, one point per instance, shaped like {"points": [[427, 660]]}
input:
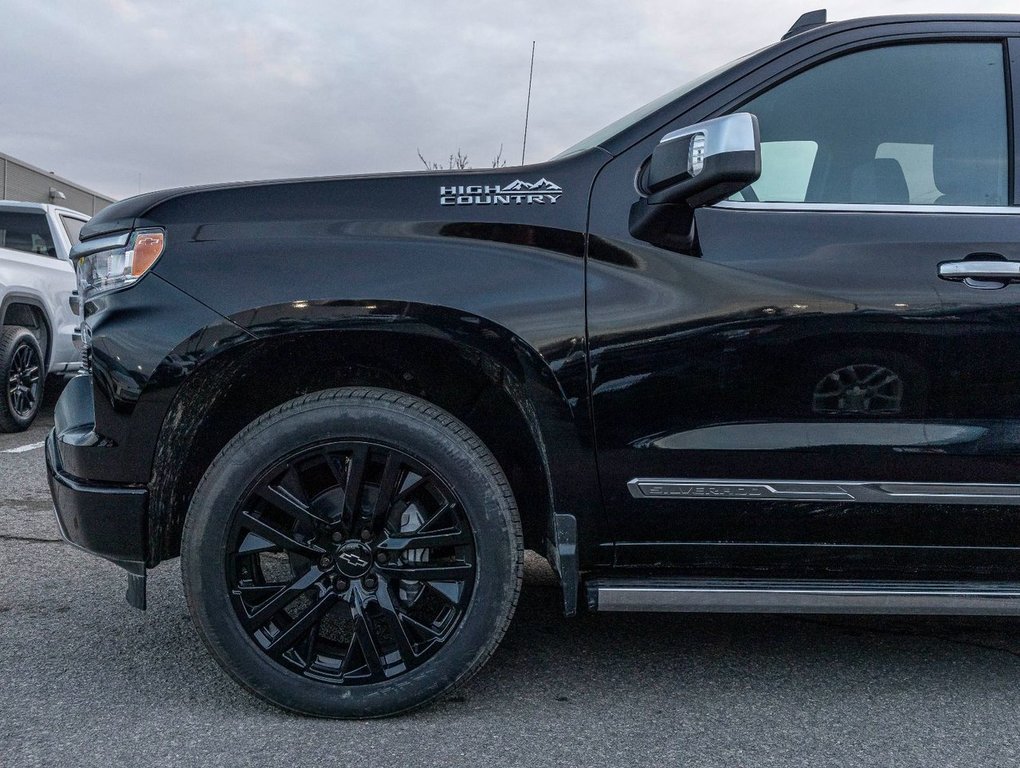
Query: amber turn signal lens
{"points": [[148, 247]]}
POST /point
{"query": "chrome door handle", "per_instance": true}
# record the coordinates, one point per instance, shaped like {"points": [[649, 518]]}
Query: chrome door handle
{"points": [[975, 271]]}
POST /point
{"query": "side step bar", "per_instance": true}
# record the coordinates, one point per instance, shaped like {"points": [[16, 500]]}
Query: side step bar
{"points": [[784, 596]]}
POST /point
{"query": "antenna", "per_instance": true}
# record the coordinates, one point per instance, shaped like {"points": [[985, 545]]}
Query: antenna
{"points": [[807, 21], [527, 109]]}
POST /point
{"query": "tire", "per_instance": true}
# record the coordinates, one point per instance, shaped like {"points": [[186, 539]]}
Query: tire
{"points": [[352, 475], [21, 361]]}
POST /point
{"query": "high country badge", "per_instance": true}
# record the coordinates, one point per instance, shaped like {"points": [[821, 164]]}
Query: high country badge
{"points": [[516, 192]]}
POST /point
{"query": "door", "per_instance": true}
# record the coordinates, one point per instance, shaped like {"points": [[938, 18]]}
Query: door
{"points": [[772, 397]]}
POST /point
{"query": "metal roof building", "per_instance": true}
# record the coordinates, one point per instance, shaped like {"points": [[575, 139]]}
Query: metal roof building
{"points": [[21, 181]]}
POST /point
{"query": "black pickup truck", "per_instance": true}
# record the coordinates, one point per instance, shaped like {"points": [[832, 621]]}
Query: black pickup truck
{"points": [[754, 347]]}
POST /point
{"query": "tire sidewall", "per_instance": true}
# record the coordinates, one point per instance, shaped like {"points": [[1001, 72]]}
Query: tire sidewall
{"points": [[286, 432]]}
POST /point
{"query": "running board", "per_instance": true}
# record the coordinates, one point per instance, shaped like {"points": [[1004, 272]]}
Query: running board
{"points": [[784, 596]]}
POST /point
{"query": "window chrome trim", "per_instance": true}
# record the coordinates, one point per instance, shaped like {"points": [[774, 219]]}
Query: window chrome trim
{"points": [[985, 210], [845, 492]]}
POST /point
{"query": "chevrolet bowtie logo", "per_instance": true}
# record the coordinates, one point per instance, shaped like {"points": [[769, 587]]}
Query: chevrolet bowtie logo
{"points": [[353, 559]]}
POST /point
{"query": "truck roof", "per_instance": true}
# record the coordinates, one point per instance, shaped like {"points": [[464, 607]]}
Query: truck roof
{"points": [[15, 205], [815, 24]]}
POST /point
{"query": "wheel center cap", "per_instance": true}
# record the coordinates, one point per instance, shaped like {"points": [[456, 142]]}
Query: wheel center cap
{"points": [[354, 559]]}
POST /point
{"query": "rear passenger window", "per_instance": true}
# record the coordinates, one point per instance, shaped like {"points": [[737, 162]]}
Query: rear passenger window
{"points": [[914, 124], [28, 232], [73, 228]]}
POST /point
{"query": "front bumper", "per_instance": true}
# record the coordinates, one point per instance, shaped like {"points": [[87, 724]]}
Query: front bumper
{"points": [[106, 520]]}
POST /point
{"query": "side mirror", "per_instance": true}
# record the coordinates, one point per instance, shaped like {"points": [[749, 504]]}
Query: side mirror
{"points": [[690, 168], [704, 163]]}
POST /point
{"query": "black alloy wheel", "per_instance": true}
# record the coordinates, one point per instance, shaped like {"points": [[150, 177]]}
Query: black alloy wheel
{"points": [[356, 552], [350, 562], [859, 389], [21, 360]]}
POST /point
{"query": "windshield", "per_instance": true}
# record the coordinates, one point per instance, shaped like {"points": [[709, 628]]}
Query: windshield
{"points": [[641, 113]]}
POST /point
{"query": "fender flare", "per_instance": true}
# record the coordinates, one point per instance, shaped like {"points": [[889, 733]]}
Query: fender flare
{"points": [[32, 301]]}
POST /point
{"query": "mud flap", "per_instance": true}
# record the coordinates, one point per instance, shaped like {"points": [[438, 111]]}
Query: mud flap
{"points": [[563, 556], [136, 584]]}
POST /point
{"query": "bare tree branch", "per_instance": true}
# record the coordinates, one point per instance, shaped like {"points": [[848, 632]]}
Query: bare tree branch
{"points": [[459, 161]]}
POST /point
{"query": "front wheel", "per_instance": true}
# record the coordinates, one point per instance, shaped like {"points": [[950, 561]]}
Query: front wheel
{"points": [[21, 361], [353, 553]]}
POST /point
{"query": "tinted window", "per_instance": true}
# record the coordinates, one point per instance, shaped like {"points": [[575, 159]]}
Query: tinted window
{"points": [[73, 228], [789, 164], [920, 124], [28, 231]]}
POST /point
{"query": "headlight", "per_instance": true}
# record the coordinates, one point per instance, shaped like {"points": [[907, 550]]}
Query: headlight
{"points": [[112, 268]]}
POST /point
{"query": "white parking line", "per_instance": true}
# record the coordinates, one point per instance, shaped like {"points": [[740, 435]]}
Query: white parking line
{"points": [[24, 448]]}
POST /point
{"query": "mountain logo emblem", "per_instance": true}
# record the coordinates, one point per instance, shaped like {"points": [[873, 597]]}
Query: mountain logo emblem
{"points": [[517, 192], [542, 185]]}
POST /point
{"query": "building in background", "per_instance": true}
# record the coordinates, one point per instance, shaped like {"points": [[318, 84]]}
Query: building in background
{"points": [[21, 181]]}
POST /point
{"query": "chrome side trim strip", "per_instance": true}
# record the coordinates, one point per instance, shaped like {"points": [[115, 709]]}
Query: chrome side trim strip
{"points": [[796, 490], [946, 600], [870, 208]]}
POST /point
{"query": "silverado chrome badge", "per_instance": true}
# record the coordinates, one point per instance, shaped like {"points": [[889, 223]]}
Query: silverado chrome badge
{"points": [[515, 193]]}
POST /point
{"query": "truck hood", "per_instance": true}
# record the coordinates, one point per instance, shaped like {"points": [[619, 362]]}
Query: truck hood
{"points": [[536, 194]]}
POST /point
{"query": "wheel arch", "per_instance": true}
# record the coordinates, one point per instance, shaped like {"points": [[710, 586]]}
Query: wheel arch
{"points": [[479, 371], [16, 308]]}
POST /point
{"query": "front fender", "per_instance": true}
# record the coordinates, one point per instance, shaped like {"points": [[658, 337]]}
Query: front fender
{"points": [[516, 287], [557, 421]]}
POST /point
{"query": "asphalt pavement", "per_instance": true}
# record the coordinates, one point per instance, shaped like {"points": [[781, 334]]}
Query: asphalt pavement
{"points": [[85, 680]]}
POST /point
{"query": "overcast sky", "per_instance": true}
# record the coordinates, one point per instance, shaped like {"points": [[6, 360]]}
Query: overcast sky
{"points": [[123, 96]]}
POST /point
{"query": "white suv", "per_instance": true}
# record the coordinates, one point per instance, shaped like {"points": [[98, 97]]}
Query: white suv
{"points": [[38, 312]]}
